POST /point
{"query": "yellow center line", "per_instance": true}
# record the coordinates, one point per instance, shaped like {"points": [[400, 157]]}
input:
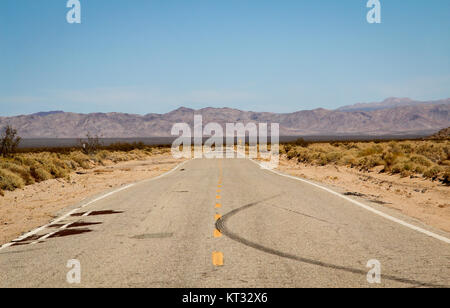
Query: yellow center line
{"points": [[217, 258], [217, 233]]}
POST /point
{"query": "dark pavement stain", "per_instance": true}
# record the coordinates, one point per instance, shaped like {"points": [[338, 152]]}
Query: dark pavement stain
{"points": [[97, 213], [69, 232], [152, 236], [83, 224], [76, 224], [27, 239], [367, 197]]}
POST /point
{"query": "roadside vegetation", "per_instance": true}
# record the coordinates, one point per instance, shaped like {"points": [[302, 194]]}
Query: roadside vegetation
{"points": [[425, 158], [28, 166]]}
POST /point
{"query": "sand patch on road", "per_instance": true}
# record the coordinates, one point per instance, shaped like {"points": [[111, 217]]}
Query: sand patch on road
{"points": [[35, 205]]}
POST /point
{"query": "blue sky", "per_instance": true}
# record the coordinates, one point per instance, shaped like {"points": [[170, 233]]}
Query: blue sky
{"points": [[144, 56]]}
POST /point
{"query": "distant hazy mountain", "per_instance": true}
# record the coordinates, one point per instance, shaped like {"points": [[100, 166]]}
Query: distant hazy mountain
{"points": [[389, 103], [409, 119]]}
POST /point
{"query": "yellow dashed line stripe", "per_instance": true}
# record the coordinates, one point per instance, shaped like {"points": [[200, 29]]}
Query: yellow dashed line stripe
{"points": [[217, 258], [217, 233]]}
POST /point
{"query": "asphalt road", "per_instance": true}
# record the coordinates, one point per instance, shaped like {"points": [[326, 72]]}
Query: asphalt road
{"points": [[273, 231]]}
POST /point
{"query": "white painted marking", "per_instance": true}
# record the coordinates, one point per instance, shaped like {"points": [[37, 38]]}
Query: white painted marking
{"points": [[35, 231], [86, 214], [384, 215], [50, 234]]}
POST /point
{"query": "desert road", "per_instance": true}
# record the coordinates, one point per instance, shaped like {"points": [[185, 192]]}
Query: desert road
{"points": [[215, 223]]}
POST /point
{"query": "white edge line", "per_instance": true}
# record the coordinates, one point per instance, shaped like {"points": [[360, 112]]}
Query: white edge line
{"points": [[35, 231], [377, 212]]}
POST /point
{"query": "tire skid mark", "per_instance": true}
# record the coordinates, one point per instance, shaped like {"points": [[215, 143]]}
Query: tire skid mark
{"points": [[221, 225]]}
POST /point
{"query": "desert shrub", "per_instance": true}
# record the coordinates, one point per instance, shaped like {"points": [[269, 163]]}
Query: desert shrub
{"points": [[370, 161], [349, 160], [333, 157], [40, 174], [285, 148], [421, 160], [292, 154], [102, 155], [432, 172], [406, 147], [371, 150], [9, 141], [389, 159], [301, 143], [90, 145], [10, 180], [57, 171], [433, 151], [81, 159], [21, 170], [306, 156]]}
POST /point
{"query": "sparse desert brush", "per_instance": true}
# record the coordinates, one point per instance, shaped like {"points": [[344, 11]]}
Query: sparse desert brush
{"points": [[10, 181], [369, 161], [370, 150], [22, 170], [33, 165], [421, 160], [432, 172], [416, 157], [330, 158], [40, 174], [102, 155], [81, 159]]}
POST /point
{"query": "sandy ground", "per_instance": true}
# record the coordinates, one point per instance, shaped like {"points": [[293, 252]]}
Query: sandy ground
{"points": [[422, 199], [26, 209]]}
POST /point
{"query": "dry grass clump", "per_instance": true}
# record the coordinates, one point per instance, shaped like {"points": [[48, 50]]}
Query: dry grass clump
{"points": [[29, 167], [9, 180], [430, 158]]}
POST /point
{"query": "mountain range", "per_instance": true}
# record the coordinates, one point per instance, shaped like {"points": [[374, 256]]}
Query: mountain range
{"points": [[390, 103], [394, 116]]}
